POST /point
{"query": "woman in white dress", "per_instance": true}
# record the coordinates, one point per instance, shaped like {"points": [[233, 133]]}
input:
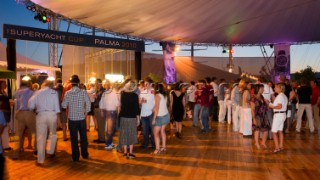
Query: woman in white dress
{"points": [[245, 108]]}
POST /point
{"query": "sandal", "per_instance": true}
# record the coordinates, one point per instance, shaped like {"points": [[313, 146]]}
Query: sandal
{"points": [[281, 149], [277, 150], [156, 152], [163, 150]]}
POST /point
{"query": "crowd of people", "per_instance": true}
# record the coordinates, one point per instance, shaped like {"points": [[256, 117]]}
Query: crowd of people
{"points": [[257, 109]]}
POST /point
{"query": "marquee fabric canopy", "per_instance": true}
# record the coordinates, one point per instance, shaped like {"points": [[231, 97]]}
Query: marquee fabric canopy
{"points": [[199, 21]]}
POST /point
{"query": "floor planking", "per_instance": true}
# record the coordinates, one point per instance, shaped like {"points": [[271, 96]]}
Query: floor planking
{"points": [[220, 154]]}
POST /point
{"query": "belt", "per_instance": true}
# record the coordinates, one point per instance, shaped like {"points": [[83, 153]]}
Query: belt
{"points": [[45, 111], [279, 112]]}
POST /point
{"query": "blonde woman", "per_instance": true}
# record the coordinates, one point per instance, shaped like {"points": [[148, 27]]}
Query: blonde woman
{"points": [[279, 107]]}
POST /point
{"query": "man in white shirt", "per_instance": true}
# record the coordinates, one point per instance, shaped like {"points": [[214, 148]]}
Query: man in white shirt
{"points": [[146, 100], [222, 104], [191, 96], [46, 103], [214, 84], [109, 105]]}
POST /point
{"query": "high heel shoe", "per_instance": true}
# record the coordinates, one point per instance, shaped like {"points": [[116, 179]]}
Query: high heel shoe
{"points": [[156, 152]]}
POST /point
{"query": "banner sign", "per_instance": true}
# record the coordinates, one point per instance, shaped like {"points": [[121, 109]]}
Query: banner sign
{"points": [[281, 61], [43, 35], [169, 66]]}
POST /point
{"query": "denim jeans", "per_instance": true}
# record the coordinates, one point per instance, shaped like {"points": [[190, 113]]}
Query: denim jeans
{"points": [[101, 124], [293, 111], [75, 127], [205, 118], [147, 130], [110, 117], [119, 146], [196, 112]]}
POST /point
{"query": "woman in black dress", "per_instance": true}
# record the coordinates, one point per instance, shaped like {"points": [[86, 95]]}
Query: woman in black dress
{"points": [[177, 106]]}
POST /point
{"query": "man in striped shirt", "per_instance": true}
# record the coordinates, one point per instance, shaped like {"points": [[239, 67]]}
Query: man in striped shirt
{"points": [[78, 103]]}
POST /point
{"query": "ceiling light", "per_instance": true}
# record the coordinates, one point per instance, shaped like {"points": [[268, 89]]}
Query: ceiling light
{"points": [[26, 78]]}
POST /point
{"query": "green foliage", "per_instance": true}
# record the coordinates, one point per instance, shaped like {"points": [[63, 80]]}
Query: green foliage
{"points": [[307, 73]]}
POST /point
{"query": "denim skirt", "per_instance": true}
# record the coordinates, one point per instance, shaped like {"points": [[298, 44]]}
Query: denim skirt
{"points": [[162, 120]]}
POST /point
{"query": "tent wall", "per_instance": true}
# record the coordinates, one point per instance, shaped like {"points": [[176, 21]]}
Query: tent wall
{"points": [[96, 62], [187, 70]]}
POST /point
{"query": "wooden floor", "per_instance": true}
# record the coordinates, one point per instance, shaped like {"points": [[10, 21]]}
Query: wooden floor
{"points": [[220, 154]]}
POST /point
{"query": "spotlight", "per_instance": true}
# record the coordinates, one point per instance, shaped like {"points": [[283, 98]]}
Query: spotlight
{"points": [[42, 17], [228, 51], [31, 8], [37, 17]]}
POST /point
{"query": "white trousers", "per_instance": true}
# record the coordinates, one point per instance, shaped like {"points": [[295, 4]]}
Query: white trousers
{"points": [[308, 109], [235, 117], [229, 105], [278, 122], [45, 121], [222, 110], [246, 121]]}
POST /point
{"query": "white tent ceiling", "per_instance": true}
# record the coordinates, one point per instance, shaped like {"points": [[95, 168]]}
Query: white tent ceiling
{"points": [[199, 21]]}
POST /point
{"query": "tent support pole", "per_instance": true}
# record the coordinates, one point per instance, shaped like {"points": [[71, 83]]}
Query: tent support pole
{"points": [[11, 61], [137, 60]]}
